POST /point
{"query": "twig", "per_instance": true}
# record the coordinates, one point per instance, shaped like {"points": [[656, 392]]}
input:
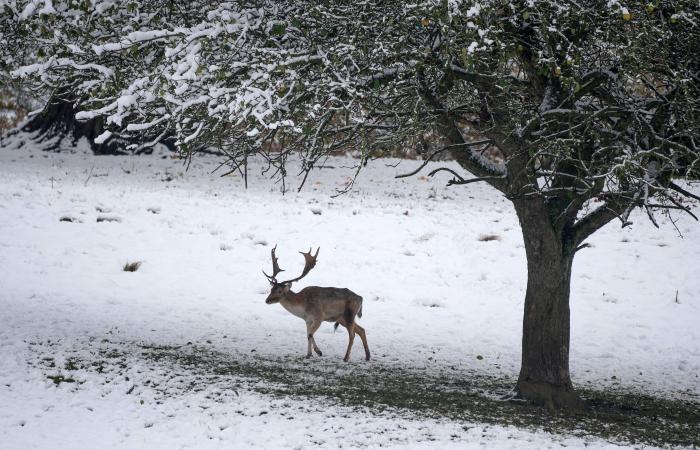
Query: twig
{"points": [[680, 190], [582, 246], [650, 214], [678, 206], [89, 175]]}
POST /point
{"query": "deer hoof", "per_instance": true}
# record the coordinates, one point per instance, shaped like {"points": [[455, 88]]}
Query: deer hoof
{"points": [[308, 356], [346, 359], [320, 353], [367, 358]]}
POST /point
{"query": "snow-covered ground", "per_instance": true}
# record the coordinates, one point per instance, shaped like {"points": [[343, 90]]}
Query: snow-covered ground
{"points": [[435, 296]]}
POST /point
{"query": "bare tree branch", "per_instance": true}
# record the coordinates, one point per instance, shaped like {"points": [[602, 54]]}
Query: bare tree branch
{"points": [[437, 152], [680, 190]]}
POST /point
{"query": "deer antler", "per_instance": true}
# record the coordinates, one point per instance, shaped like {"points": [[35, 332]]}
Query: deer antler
{"points": [[275, 268], [309, 263]]}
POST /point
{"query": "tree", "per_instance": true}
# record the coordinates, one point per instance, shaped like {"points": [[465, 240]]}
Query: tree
{"points": [[54, 123], [594, 107]]}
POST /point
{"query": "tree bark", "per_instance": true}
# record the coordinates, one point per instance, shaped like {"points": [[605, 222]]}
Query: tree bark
{"points": [[544, 374], [57, 122], [57, 129]]}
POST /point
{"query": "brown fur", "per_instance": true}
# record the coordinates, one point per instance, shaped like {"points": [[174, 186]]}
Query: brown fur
{"points": [[322, 304]]}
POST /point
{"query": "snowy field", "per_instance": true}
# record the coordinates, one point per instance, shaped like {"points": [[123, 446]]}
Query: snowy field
{"points": [[437, 297]]}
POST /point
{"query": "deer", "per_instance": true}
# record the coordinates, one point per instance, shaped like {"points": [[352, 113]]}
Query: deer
{"points": [[316, 305]]}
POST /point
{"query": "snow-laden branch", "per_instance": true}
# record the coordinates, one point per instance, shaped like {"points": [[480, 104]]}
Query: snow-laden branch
{"points": [[575, 112]]}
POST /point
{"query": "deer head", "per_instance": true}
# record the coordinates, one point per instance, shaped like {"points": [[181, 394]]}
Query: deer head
{"points": [[280, 289]]}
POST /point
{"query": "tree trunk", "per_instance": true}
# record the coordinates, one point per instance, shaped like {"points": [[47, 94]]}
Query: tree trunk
{"points": [[57, 129], [544, 374], [57, 123]]}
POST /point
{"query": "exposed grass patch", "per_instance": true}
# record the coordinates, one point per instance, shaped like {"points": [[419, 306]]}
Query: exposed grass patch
{"points": [[438, 393], [58, 379], [489, 237], [101, 219], [132, 266], [70, 364]]}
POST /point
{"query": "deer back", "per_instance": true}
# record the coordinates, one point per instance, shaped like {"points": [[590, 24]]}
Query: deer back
{"points": [[331, 304]]}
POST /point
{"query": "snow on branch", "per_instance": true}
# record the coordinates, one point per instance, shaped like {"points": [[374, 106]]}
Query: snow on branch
{"points": [[579, 114]]}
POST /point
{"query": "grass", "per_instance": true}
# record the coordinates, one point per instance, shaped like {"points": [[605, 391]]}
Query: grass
{"points": [[132, 267], [101, 219], [461, 395], [58, 379]]}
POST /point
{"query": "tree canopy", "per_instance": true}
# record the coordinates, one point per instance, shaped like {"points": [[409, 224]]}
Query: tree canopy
{"points": [[602, 97]]}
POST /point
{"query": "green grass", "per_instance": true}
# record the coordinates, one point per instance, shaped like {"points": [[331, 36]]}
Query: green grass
{"points": [[58, 379]]}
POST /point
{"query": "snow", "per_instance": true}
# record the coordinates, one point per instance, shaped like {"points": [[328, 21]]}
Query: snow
{"points": [[436, 295], [103, 137], [32, 6], [54, 62]]}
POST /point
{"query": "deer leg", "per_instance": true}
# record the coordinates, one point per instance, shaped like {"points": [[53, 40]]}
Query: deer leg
{"points": [[311, 328], [315, 328], [309, 337], [361, 332], [351, 335]]}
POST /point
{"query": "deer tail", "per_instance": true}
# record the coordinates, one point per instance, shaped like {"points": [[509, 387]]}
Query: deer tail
{"points": [[359, 311], [335, 327]]}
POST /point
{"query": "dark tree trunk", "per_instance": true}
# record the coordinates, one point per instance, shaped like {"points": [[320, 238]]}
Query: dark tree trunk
{"points": [[544, 374], [56, 128], [57, 124]]}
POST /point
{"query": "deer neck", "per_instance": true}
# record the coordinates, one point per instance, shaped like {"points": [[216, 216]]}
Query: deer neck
{"points": [[294, 303], [292, 298]]}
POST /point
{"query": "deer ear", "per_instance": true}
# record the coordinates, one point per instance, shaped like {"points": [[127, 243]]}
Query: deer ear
{"points": [[287, 286]]}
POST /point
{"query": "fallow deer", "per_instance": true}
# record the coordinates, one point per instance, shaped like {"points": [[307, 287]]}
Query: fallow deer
{"points": [[317, 304]]}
